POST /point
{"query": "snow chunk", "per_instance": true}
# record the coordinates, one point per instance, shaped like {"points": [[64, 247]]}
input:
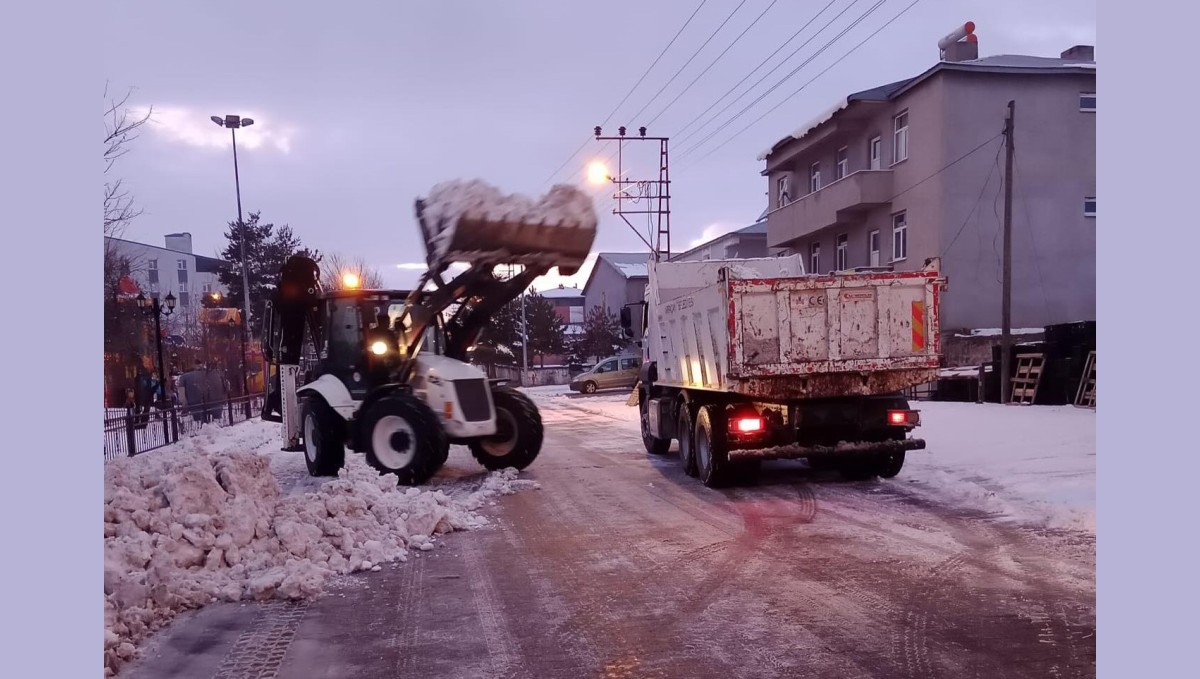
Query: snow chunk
{"points": [[195, 523], [448, 202]]}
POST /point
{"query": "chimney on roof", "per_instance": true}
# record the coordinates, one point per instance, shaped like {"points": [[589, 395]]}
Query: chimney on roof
{"points": [[961, 44], [1079, 53], [180, 242]]}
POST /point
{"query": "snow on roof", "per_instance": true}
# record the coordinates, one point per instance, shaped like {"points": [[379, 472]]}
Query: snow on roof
{"points": [[808, 127], [995, 332], [629, 264], [561, 292]]}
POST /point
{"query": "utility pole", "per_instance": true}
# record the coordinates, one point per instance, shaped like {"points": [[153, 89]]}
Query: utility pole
{"points": [[1006, 302], [655, 192]]}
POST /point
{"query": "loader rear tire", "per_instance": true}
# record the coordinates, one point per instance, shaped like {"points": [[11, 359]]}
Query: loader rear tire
{"points": [[890, 464], [403, 437], [324, 433], [519, 433]]}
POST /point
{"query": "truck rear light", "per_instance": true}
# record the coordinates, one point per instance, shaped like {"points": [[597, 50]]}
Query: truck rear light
{"points": [[903, 418], [748, 425]]}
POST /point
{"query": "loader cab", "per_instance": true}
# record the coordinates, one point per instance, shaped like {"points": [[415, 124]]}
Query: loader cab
{"points": [[366, 335]]}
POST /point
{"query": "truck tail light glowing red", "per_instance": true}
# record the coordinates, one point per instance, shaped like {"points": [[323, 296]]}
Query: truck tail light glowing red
{"points": [[903, 418], [748, 425]]}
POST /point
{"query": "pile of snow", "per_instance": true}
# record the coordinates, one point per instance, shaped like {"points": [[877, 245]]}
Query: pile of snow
{"points": [[448, 202], [187, 526]]}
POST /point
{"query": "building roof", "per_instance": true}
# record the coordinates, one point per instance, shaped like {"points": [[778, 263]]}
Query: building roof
{"points": [[628, 264], [1001, 63], [203, 264], [561, 292], [758, 228]]}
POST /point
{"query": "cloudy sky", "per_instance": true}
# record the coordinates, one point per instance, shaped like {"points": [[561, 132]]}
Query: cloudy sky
{"points": [[363, 108]]}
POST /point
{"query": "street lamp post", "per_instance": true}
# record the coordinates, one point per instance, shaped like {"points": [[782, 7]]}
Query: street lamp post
{"points": [[234, 122], [154, 308]]}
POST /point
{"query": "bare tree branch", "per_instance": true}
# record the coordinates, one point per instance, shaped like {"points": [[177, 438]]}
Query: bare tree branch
{"points": [[334, 266], [119, 130]]}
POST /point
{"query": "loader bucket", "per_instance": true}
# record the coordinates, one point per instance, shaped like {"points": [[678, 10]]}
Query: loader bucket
{"points": [[475, 223]]}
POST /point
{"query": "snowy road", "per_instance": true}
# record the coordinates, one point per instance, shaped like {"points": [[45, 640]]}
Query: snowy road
{"points": [[621, 566]]}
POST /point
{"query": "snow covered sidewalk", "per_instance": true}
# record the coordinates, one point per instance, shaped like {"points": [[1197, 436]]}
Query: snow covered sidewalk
{"points": [[1032, 464], [206, 520]]}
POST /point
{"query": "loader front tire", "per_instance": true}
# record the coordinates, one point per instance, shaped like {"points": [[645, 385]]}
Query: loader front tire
{"points": [[519, 433], [324, 436], [403, 437]]}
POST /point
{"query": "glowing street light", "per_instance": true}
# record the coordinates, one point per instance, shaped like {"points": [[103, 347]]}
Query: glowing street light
{"points": [[597, 173], [350, 280]]}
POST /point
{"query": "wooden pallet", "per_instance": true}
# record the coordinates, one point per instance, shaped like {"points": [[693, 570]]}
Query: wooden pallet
{"points": [[1086, 396], [1025, 382]]}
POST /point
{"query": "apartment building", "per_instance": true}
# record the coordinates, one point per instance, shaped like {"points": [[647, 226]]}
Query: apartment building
{"points": [[913, 169], [173, 268]]}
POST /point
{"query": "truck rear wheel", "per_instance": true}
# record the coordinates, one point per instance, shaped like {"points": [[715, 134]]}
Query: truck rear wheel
{"points": [[324, 436], [859, 468], [712, 449], [687, 441], [890, 464], [654, 446], [403, 437], [519, 433]]}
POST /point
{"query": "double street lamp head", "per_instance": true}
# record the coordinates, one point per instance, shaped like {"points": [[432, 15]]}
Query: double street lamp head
{"points": [[149, 305], [232, 122]]}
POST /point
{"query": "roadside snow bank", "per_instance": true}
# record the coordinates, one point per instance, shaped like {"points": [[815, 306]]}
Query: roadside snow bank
{"points": [[188, 527]]}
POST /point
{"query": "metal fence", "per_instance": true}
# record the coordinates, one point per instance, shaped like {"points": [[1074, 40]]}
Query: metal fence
{"points": [[128, 433]]}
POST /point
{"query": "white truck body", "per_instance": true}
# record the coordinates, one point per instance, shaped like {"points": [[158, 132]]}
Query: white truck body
{"points": [[765, 329]]}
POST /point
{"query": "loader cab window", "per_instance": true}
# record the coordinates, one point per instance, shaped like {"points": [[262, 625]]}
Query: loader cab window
{"points": [[434, 338]]}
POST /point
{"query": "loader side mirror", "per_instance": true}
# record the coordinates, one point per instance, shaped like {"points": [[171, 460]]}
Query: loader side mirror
{"points": [[627, 321]]}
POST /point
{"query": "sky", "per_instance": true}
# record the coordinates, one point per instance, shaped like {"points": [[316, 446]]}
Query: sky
{"points": [[361, 110]]}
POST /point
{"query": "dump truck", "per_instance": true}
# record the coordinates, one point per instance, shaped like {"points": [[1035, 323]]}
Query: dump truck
{"points": [[756, 359], [385, 372]]}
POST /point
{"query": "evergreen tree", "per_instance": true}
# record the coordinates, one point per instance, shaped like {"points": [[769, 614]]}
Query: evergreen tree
{"points": [[267, 248]]}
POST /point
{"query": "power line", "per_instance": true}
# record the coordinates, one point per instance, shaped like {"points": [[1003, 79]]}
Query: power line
{"points": [[714, 62], [773, 69], [755, 69], [689, 61], [787, 77], [801, 88], [631, 90], [982, 190]]}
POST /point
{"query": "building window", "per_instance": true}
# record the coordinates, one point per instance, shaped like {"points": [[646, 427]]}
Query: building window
{"points": [[876, 153], [843, 163], [181, 264], [873, 248], [152, 276], [185, 299], [152, 264], [814, 258], [840, 252], [782, 194], [183, 276], [1089, 206], [1087, 102], [207, 287], [899, 237], [901, 138], [814, 178]]}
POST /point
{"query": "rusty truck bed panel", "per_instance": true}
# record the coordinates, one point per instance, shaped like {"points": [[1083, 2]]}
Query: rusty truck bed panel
{"points": [[793, 336]]}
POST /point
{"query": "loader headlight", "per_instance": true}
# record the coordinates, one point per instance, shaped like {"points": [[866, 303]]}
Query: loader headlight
{"points": [[379, 347]]}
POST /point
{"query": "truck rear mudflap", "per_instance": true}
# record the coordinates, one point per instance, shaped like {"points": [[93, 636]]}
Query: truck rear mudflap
{"points": [[796, 451]]}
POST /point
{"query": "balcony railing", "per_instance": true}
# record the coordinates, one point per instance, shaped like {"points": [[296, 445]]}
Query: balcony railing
{"points": [[841, 202]]}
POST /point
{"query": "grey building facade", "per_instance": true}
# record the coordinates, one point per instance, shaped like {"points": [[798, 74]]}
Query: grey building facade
{"points": [[914, 169], [617, 279]]}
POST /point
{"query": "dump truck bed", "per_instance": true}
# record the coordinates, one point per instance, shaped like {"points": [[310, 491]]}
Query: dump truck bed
{"points": [[763, 328]]}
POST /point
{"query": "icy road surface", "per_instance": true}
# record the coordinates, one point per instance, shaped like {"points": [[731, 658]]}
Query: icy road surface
{"points": [[621, 566]]}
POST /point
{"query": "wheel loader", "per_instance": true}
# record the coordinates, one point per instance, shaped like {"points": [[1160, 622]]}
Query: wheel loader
{"points": [[385, 372]]}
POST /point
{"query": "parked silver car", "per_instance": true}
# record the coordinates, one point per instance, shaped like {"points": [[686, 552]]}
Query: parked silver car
{"points": [[617, 372]]}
